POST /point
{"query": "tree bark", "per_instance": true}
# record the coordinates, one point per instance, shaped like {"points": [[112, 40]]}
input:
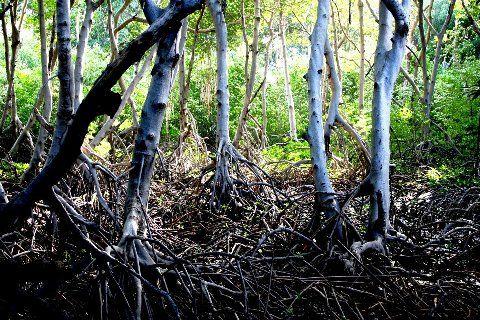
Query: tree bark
{"points": [[333, 110], [65, 77], [325, 199], [223, 184], [223, 95], [361, 73], [242, 120], [388, 59], [107, 125], [148, 137], [288, 87], [90, 8], [263, 136], [99, 100], [146, 144]]}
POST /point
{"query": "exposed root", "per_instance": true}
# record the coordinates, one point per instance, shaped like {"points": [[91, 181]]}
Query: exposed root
{"points": [[231, 186], [260, 266]]}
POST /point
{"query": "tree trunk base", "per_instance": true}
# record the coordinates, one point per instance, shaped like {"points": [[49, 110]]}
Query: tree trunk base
{"points": [[230, 188]]}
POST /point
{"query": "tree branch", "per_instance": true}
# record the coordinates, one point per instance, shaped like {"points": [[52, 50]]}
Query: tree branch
{"points": [[100, 100], [401, 21]]}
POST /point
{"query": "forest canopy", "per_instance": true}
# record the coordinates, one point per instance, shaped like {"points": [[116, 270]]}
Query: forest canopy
{"points": [[260, 159]]}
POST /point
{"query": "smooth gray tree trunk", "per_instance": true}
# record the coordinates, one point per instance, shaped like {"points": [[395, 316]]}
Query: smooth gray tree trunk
{"points": [[388, 59], [288, 87], [361, 72], [242, 120], [334, 116], [148, 137], [65, 77], [223, 184], [90, 8], [325, 198]]}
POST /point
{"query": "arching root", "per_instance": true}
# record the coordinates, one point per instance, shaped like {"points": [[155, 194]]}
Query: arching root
{"points": [[237, 180]]}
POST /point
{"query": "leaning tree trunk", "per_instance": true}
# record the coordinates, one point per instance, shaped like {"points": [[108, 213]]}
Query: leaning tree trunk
{"points": [[334, 116], [65, 77], [90, 8], [288, 87], [325, 200], [146, 144], [100, 100]]}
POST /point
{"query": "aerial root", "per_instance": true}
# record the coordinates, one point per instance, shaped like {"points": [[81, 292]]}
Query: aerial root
{"points": [[232, 186]]}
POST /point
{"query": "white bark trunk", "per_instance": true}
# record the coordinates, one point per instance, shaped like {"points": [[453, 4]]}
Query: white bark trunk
{"points": [[333, 111], [361, 83], [105, 129], [148, 137], [90, 8], [288, 87], [325, 195], [65, 76], [223, 95], [242, 120], [223, 184], [388, 59]]}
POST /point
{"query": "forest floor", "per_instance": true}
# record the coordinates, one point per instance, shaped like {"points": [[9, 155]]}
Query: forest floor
{"points": [[257, 261]]}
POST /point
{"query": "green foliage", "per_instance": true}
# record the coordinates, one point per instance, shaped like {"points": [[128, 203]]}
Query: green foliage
{"points": [[11, 171], [288, 151], [453, 136]]}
